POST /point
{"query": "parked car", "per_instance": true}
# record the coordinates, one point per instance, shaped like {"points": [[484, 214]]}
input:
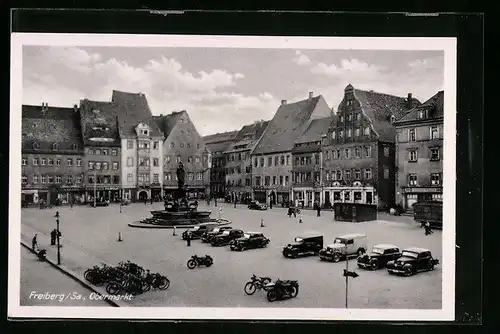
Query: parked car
{"points": [[256, 205], [226, 237], [99, 203], [412, 261], [344, 246], [249, 240], [208, 236], [303, 246], [379, 256], [197, 231]]}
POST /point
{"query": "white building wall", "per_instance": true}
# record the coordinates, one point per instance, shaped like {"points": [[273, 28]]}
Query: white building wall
{"points": [[126, 169], [157, 153]]}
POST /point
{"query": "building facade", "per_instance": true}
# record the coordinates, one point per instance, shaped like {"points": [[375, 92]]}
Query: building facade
{"points": [[141, 148], [272, 156], [52, 155], [184, 143], [307, 164], [419, 154], [239, 164], [102, 146], [359, 152], [217, 144]]}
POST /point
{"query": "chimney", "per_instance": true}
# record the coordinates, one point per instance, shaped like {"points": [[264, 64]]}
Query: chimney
{"points": [[310, 95], [75, 108], [332, 112], [283, 102], [45, 106], [410, 101]]}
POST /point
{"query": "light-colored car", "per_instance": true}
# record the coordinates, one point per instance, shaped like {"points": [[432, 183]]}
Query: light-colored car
{"points": [[344, 246]]}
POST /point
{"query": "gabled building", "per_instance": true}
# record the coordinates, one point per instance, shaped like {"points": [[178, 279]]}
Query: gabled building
{"points": [[419, 153], [102, 159], [307, 163], [141, 147], [217, 144], [52, 155], [359, 151], [239, 164], [272, 156], [184, 143]]}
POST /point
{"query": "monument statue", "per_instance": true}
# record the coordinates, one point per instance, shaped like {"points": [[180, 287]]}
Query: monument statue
{"points": [[181, 178]]}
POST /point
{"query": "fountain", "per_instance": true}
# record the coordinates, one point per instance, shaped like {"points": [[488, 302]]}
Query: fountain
{"points": [[178, 211]]}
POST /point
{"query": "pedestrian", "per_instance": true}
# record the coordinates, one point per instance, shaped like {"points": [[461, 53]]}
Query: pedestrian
{"points": [[34, 243], [152, 200], [235, 203], [53, 235], [215, 201], [295, 212], [428, 229], [318, 210], [262, 222], [174, 233], [300, 220], [290, 209], [188, 240], [145, 200], [270, 204]]}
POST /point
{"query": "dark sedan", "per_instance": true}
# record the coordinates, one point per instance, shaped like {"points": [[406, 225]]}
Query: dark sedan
{"points": [[379, 256], [226, 237], [208, 236], [256, 205], [412, 261], [249, 240]]}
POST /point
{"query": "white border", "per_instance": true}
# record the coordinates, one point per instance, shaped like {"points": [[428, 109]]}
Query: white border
{"points": [[448, 45]]}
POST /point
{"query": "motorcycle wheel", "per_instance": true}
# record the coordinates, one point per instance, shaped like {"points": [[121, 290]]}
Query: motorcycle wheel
{"points": [[145, 286], [113, 289], [191, 264], [89, 275], [294, 291], [250, 288], [209, 263], [272, 295], [164, 283]]}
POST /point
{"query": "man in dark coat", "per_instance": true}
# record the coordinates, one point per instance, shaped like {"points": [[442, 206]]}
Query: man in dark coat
{"points": [[34, 242], [53, 236], [318, 210]]}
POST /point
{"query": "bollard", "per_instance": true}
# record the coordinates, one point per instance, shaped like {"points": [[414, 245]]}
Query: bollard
{"points": [[119, 237]]}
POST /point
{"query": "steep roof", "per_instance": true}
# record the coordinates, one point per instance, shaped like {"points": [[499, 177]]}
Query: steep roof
{"points": [[379, 107], [248, 136], [316, 128], [220, 137], [434, 105], [166, 123], [55, 125], [133, 108], [99, 120], [286, 126]]}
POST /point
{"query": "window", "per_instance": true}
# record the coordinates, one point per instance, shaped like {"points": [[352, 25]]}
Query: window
{"points": [[357, 152], [349, 133], [274, 180], [358, 116], [43, 161], [168, 158], [349, 117], [257, 181], [91, 165], [73, 147], [58, 162], [115, 165], [190, 176], [58, 179], [130, 177], [44, 179], [412, 179], [98, 152], [69, 162], [143, 161], [386, 151], [267, 180], [105, 151], [78, 179], [197, 145], [51, 179], [262, 162], [50, 162], [24, 162], [168, 176], [434, 153], [368, 173], [347, 196], [412, 136], [357, 196], [190, 160], [144, 177], [327, 176], [347, 174], [91, 179], [368, 151], [282, 160], [35, 162], [114, 151], [341, 119], [156, 178], [91, 151], [105, 165], [197, 160], [339, 175], [356, 132], [199, 176], [269, 161], [412, 156], [78, 162], [35, 179], [55, 147], [116, 179], [386, 173], [97, 165], [156, 162], [437, 197], [367, 131], [156, 145], [178, 159], [347, 153], [327, 155], [335, 154], [334, 134], [130, 162], [357, 174], [436, 179], [24, 179], [341, 134], [182, 144], [172, 144]]}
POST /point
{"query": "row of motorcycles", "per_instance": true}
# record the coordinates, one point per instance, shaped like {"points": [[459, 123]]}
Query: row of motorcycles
{"points": [[127, 277], [278, 290]]}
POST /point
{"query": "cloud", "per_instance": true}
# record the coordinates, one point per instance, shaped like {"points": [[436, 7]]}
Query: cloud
{"points": [[347, 68], [63, 76], [301, 59]]}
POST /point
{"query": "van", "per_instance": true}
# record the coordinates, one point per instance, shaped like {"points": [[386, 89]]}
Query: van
{"points": [[343, 247]]}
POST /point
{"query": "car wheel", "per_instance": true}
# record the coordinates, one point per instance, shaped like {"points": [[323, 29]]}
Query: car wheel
{"points": [[431, 267], [272, 295], [336, 257], [408, 271], [374, 265]]}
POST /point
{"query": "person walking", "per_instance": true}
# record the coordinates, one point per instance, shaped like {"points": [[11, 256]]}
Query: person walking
{"points": [[318, 210], [174, 229], [34, 242], [145, 200], [262, 222], [188, 240], [235, 202], [427, 227], [215, 201], [53, 236]]}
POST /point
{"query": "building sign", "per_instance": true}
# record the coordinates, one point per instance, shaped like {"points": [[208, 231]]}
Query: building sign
{"points": [[102, 188], [423, 190]]}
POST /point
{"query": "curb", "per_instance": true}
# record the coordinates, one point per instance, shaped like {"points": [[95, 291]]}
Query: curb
{"points": [[76, 277], [138, 224]]}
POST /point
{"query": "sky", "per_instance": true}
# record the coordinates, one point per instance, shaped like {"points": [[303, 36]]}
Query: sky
{"points": [[223, 89]]}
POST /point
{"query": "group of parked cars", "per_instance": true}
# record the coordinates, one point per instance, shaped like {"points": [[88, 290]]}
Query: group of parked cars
{"points": [[408, 261]]}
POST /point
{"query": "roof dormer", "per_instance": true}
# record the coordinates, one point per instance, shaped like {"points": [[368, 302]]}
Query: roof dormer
{"points": [[55, 147], [142, 130]]}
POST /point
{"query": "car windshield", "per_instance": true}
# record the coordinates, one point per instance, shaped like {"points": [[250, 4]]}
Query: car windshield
{"points": [[377, 250], [339, 241], [196, 228], [409, 254], [299, 240], [216, 230], [225, 233], [256, 202], [246, 236]]}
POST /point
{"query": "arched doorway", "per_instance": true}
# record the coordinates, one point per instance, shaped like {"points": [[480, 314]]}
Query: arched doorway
{"points": [[143, 195]]}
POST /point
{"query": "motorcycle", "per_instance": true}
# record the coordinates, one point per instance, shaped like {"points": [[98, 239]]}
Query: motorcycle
{"points": [[196, 260], [282, 289], [42, 255], [256, 283], [155, 281]]}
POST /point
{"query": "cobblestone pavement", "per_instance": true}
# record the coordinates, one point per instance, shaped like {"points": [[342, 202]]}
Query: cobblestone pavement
{"points": [[90, 234], [57, 289]]}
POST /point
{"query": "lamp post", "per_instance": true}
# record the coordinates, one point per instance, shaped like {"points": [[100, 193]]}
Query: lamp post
{"points": [[58, 239], [95, 188]]}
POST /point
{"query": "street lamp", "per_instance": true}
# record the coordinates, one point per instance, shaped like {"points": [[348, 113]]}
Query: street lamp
{"points": [[58, 239]]}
